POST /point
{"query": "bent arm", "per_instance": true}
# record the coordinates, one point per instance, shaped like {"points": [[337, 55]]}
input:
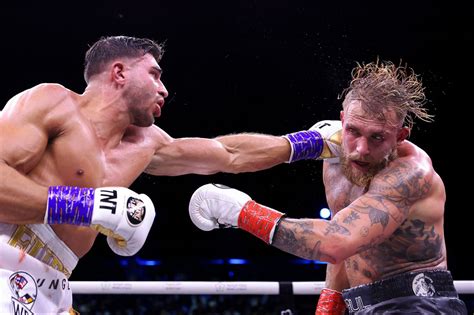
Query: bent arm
{"points": [[231, 154], [24, 137], [366, 222]]}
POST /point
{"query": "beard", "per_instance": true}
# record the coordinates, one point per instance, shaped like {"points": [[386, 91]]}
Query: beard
{"points": [[363, 179], [136, 97]]}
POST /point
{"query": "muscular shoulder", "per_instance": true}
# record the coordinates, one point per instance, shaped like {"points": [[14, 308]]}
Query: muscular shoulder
{"points": [[49, 96], [409, 178], [41, 98], [150, 136], [46, 104]]}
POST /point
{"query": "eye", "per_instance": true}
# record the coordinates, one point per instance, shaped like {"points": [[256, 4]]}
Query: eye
{"points": [[352, 131], [155, 74], [378, 138]]}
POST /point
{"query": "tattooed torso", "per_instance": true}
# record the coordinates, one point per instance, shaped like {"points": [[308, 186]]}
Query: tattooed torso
{"points": [[417, 242]]}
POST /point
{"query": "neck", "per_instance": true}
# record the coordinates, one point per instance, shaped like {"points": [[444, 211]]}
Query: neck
{"points": [[108, 115]]}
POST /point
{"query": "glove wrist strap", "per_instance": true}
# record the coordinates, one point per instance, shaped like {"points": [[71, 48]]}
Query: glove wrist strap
{"points": [[305, 145], [69, 205], [259, 220]]}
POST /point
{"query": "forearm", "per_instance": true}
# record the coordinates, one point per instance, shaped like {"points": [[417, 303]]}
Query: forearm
{"points": [[22, 201], [254, 152], [307, 238]]}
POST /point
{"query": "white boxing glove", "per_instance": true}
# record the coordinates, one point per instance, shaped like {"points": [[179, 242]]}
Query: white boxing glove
{"points": [[331, 131], [214, 206], [123, 215]]}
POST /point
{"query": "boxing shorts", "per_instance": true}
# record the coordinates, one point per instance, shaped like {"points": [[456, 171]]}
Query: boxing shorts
{"points": [[422, 292]]}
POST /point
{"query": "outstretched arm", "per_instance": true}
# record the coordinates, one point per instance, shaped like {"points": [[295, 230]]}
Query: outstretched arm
{"points": [[230, 154], [245, 152]]}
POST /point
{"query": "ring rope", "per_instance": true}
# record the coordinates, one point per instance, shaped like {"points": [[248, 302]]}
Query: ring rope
{"points": [[214, 287]]}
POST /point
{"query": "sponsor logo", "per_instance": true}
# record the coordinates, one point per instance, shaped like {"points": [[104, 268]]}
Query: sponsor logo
{"points": [[423, 285], [53, 284], [24, 291], [108, 200], [26, 239], [135, 211]]}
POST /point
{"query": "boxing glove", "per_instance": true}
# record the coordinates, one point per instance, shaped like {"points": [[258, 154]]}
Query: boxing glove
{"points": [[215, 206], [123, 215], [330, 303], [321, 141]]}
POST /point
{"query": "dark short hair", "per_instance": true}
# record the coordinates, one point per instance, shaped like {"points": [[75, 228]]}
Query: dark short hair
{"points": [[109, 48]]}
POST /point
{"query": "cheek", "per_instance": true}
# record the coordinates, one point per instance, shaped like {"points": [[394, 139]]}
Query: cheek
{"points": [[382, 152], [348, 145]]}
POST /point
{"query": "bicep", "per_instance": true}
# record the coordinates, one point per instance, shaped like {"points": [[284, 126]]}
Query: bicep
{"points": [[367, 221], [24, 138]]}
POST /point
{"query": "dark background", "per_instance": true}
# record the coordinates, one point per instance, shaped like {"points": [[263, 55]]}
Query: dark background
{"points": [[259, 66]]}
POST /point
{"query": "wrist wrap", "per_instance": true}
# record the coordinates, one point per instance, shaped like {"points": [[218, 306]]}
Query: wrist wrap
{"points": [[305, 145], [259, 220], [69, 205]]}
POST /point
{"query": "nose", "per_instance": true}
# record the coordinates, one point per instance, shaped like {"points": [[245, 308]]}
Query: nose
{"points": [[162, 90], [362, 146]]}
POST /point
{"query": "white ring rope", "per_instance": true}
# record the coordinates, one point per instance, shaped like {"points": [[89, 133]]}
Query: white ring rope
{"points": [[213, 287]]}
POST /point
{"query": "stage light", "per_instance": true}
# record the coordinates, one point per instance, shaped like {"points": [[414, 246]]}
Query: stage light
{"points": [[325, 213]]}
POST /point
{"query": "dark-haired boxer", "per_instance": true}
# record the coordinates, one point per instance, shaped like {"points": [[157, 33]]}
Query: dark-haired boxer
{"points": [[67, 158]]}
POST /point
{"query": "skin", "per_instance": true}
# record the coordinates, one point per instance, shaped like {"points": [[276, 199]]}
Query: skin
{"points": [[393, 225], [106, 137]]}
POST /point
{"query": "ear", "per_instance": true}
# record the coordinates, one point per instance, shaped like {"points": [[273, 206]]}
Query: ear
{"points": [[403, 133], [341, 116], [117, 73]]}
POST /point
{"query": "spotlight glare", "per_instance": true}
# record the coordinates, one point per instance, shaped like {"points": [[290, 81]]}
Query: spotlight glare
{"points": [[325, 213]]}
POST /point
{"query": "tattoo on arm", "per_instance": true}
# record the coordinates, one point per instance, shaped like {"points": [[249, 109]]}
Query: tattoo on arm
{"points": [[335, 228], [353, 216], [297, 237]]}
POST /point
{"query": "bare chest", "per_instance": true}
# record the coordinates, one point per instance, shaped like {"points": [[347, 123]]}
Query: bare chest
{"points": [[74, 161], [340, 193]]}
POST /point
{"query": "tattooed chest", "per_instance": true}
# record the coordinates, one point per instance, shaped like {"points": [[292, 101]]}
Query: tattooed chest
{"points": [[341, 195], [414, 245]]}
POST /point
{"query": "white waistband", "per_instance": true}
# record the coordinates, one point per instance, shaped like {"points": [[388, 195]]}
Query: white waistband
{"points": [[40, 241], [28, 286]]}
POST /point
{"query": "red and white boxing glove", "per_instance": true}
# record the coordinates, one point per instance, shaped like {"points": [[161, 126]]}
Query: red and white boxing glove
{"points": [[214, 206], [322, 141], [330, 303], [120, 213]]}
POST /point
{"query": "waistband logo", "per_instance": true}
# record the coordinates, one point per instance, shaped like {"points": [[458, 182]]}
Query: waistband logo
{"points": [[26, 239], [423, 285], [24, 292]]}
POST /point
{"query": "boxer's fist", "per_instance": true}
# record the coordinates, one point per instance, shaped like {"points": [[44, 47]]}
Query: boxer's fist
{"points": [[331, 132], [120, 213], [213, 206], [133, 221]]}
